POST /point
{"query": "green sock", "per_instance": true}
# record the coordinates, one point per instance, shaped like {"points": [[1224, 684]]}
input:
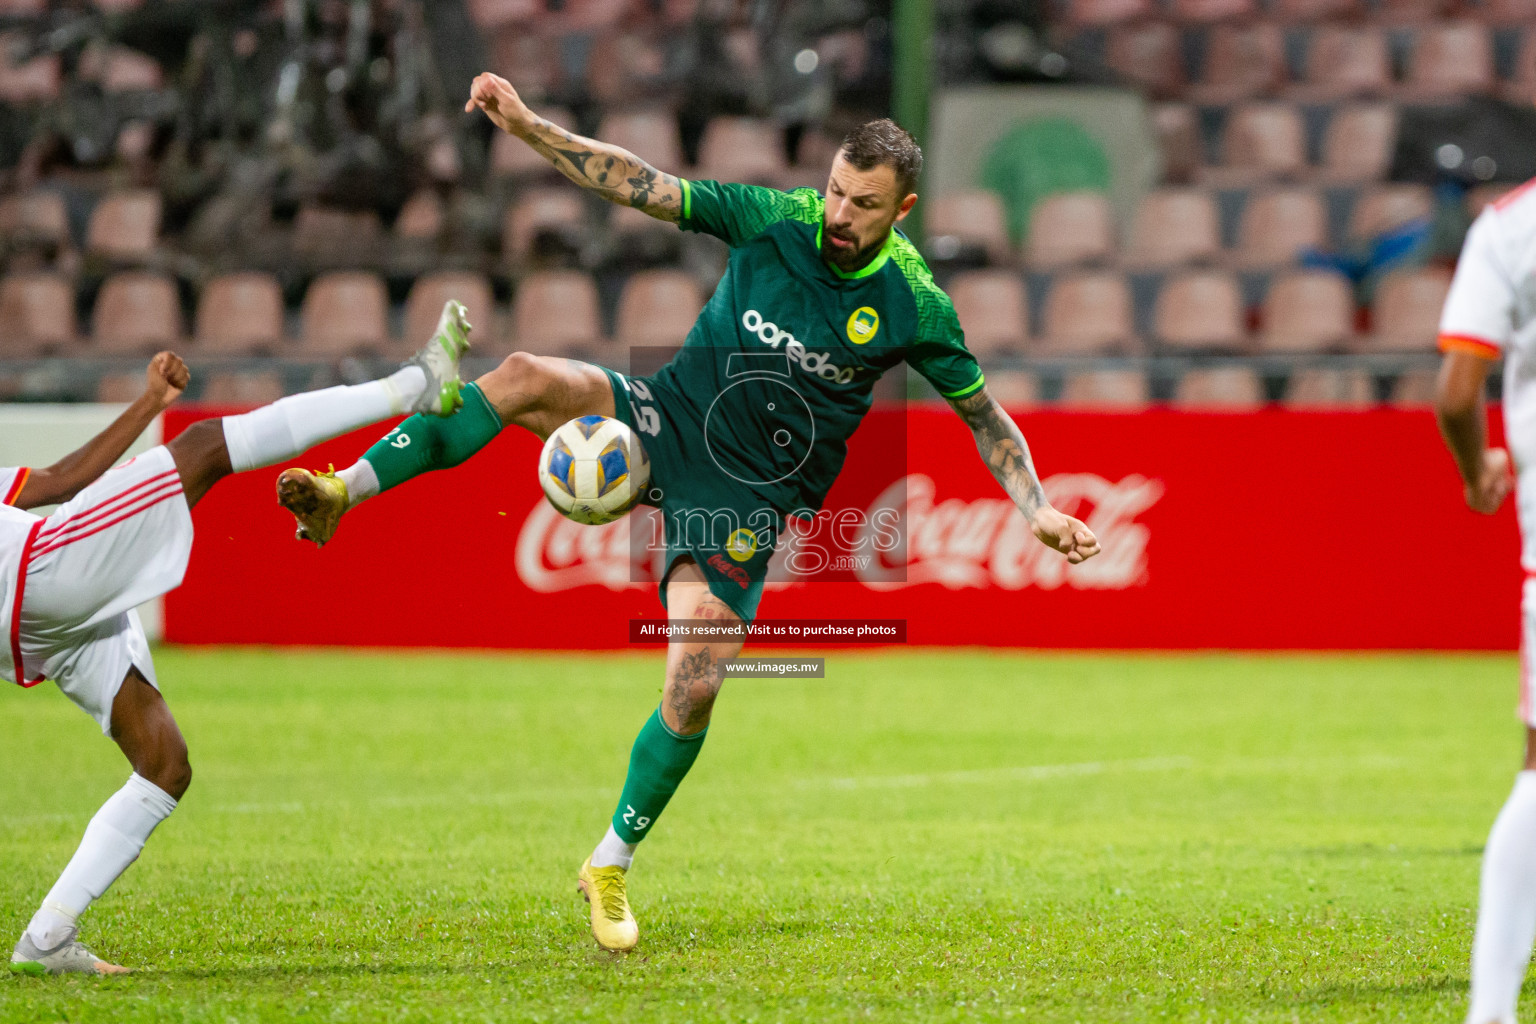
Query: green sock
{"points": [[424, 443], [657, 764]]}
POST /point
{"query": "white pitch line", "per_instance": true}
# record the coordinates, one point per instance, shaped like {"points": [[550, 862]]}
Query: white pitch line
{"points": [[1022, 773]]}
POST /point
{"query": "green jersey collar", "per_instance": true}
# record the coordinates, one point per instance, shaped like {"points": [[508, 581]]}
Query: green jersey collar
{"points": [[872, 267]]}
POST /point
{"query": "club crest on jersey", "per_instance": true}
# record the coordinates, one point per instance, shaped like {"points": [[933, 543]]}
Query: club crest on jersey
{"points": [[862, 325], [741, 545]]}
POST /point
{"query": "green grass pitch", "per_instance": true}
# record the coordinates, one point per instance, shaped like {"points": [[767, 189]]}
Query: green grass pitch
{"points": [[920, 836]]}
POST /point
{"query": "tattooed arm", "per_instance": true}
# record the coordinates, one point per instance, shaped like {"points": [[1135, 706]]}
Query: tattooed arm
{"points": [[615, 174], [1002, 447]]}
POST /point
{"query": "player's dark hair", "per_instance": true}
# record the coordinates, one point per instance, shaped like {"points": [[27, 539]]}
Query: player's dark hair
{"points": [[885, 142]]}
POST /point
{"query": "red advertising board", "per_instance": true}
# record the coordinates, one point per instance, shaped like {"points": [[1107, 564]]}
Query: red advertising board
{"points": [[1267, 530]]}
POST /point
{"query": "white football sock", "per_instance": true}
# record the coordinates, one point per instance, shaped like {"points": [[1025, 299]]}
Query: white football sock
{"points": [[1506, 915], [613, 852], [112, 841], [362, 482], [277, 432]]}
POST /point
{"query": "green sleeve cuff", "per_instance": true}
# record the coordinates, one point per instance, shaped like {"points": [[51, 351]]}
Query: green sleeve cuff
{"points": [[981, 379], [687, 198]]}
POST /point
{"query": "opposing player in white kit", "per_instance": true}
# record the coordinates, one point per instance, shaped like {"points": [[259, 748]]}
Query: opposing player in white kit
{"points": [[69, 585], [1491, 313]]}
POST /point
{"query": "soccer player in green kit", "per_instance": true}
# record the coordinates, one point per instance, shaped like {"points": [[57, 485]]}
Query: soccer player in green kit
{"points": [[822, 294]]}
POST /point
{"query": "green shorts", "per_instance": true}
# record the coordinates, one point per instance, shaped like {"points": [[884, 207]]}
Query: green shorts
{"points": [[709, 516]]}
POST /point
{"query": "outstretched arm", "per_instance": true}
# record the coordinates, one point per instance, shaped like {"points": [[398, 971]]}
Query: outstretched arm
{"points": [[1002, 447], [166, 379], [1485, 472], [615, 174]]}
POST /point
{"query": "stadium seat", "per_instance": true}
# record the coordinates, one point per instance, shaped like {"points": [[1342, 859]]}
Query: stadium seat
{"points": [[1241, 62], [1294, 12], [1106, 12], [35, 81], [1415, 388], [125, 226], [1173, 226], [491, 15], [975, 218], [137, 313], [651, 135], [993, 309], [22, 8], [1177, 126], [1070, 229], [124, 70], [1521, 87], [421, 217], [1511, 13], [1088, 313], [1279, 223], [1358, 143], [1409, 12], [119, 388], [1261, 141], [1111, 390], [1345, 61], [558, 213], [424, 307], [1150, 55], [327, 238], [240, 314], [1014, 388], [1385, 207], [1450, 59], [36, 218], [1220, 389], [657, 308], [1405, 313], [742, 149], [345, 312], [237, 389], [1211, 11], [1330, 389], [1200, 310], [37, 315], [556, 313], [1307, 311]]}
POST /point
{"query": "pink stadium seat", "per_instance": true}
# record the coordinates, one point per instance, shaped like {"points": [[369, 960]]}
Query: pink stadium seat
{"points": [[1222, 389], [974, 216], [1513, 13], [37, 315], [326, 237], [125, 226], [1410, 12], [1307, 311], [1405, 313], [237, 389], [1070, 229], [1278, 224], [421, 216], [137, 313], [1261, 141], [1358, 143], [119, 388], [1106, 12], [1016, 389], [1385, 207], [544, 209], [345, 312], [1149, 55], [556, 313], [125, 70], [1200, 310], [1450, 59], [1177, 127], [657, 308], [1174, 226], [424, 307], [37, 217], [491, 15], [1345, 61], [1242, 61], [1110, 390], [651, 135], [1415, 388], [240, 314], [1210, 11], [35, 81], [742, 149], [1088, 313], [1330, 389], [993, 310], [1291, 12]]}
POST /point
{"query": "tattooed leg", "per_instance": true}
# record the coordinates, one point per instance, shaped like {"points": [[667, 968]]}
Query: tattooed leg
{"points": [[694, 669]]}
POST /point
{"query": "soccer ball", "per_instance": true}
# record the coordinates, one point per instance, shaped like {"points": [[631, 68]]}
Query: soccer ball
{"points": [[593, 470]]}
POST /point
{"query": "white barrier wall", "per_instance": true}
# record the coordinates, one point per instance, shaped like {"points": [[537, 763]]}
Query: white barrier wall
{"points": [[40, 435]]}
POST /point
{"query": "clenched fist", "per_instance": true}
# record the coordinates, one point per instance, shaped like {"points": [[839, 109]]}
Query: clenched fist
{"points": [[166, 379], [500, 102]]}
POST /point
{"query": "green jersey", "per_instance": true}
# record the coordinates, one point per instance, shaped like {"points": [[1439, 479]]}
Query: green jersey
{"points": [[779, 368]]}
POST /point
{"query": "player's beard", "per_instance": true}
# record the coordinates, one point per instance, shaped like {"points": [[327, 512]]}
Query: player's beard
{"points": [[847, 260]]}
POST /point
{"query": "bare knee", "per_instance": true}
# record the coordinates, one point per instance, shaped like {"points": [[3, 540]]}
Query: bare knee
{"points": [[201, 457], [166, 765], [541, 392]]}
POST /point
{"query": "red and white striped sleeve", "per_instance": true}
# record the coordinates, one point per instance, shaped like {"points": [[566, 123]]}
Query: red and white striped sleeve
{"points": [[12, 480], [1479, 310]]}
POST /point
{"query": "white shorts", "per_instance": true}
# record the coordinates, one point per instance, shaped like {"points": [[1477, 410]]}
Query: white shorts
{"points": [[122, 541]]}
